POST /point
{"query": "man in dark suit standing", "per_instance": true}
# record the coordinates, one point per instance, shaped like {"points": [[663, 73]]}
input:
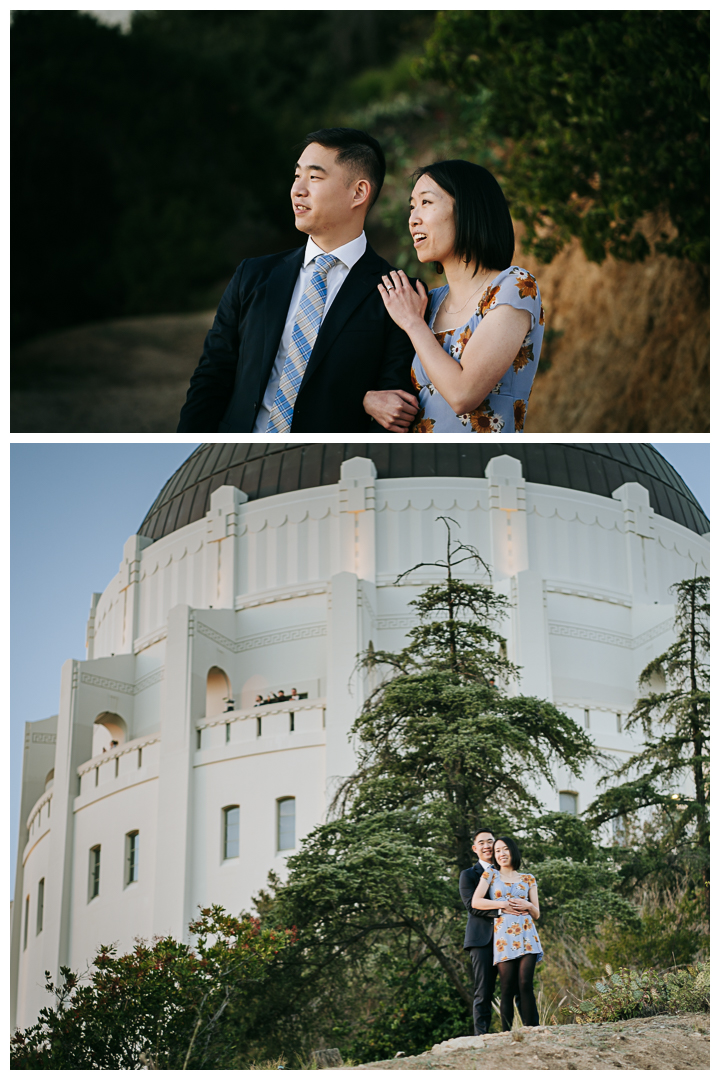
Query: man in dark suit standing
{"points": [[301, 340], [479, 933]]}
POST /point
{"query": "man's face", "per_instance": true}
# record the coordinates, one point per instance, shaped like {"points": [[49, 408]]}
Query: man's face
{"points": [[483, 846], [324, 194]]}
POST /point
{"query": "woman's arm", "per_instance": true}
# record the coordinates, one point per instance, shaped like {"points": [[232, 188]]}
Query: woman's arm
{"points": [[531, 905], [488, 354], [480, 900]]}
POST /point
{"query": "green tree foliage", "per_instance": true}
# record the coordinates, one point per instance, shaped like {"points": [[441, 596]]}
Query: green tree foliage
{"points": [[676, 724], [164, 1005], [607, 113]]}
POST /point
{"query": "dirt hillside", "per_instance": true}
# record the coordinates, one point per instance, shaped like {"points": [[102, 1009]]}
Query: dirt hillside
{"points": [[658, 1042]]}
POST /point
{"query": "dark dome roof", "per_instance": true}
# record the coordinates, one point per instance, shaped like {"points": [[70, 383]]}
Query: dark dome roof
{"points": [[262, 469]]}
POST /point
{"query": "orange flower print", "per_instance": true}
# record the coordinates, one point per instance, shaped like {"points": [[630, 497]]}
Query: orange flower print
{"points": [[528, 879], [487, 300], [498, 894], [442, 337], [413, 379], [456, 350], [422, 424], [537, 939], [516, 945], [516, 928], [541, 320], [527, 925], [528, 947], [496, 388], [483, 419], [519, 410], [501, 944], [527, 286], [524, 357]]}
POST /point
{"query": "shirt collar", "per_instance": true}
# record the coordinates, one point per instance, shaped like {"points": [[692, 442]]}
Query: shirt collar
{"points": [[485, 865], [347, 254]]}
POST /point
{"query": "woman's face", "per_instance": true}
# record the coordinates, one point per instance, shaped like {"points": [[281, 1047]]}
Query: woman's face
{"points": [[432, 221], [502, 855]]}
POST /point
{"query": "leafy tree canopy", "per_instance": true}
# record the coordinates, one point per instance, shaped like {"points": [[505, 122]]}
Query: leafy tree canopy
{"points": [[164, 1005], [608, 115]]}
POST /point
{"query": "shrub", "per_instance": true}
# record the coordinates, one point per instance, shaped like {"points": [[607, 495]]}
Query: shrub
{"points": [[626, 994]]}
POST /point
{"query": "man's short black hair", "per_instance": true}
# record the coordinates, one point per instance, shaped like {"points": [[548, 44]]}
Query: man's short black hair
{"points": [[483, 226], [512, 848], [482, 828], [356, 149]]}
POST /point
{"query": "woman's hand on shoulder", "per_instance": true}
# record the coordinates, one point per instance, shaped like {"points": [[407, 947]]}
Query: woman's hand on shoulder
{"points": [[405, 304]]}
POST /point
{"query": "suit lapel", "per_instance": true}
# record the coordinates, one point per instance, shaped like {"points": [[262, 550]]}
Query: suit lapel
{"points": [[278, 294], [362, 279]]}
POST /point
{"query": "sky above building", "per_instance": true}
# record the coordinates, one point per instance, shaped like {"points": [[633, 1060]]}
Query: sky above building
{"points": [[73, 505]]}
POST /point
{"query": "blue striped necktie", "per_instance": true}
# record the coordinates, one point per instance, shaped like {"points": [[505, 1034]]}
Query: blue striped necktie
{"points": [[307, 323]]}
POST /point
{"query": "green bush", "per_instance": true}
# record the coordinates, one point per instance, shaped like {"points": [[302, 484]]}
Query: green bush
{"points": [[626, 994]]}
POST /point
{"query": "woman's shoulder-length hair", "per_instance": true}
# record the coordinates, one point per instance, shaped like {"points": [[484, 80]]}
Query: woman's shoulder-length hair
{"points": [[483, 226], [514, 850]]}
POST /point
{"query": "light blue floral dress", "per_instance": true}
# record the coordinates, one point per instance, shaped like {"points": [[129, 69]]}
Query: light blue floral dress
{"points": [[514, 935], [505, 406]]}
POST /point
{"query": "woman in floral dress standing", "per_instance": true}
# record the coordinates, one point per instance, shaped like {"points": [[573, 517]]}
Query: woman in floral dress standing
{"points": [[516, 945], [477, 354]]}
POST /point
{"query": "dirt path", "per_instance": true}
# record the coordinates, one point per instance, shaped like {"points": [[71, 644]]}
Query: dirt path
{"points": [[657, 1042], [126, 375]]}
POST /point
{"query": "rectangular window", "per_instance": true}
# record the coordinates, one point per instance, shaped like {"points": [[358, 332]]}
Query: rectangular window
{"points": [[587, 718], [40, 906], [618, 717], [199, 739], [286, 824], [117, 765], [27, 920], [231, 832], [132, 857], [94, 875], [292, 721], [97, 776], [259, 726], [568, 803], [227, 733], [140, 757]]}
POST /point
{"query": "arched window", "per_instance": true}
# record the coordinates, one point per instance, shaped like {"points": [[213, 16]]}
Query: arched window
{"points": [[218, 692], [94, 873], [231, 832], [49, 778], [568, 802], [110, 730], [132, 856], [285, 824]]}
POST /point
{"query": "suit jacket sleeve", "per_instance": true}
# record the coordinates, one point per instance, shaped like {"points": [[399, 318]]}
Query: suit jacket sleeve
{"points": [[468, 885], [397, 360], [212, 383]]}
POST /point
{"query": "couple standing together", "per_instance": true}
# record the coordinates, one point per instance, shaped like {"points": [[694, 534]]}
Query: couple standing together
{"points": [[329, 337], [501, 938]]}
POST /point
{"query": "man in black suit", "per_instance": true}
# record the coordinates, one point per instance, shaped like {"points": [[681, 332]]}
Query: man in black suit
{"points": [[479, 933], [301, 340]]}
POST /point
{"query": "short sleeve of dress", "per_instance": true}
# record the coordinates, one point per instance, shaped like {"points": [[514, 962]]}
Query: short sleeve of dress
{"points": [[516, 287]]}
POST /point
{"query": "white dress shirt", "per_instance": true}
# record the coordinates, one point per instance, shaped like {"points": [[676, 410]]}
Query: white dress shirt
{"points": [[347, 256]]}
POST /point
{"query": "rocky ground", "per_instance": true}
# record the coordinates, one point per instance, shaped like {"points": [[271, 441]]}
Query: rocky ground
{"points": [[657, 1042]]}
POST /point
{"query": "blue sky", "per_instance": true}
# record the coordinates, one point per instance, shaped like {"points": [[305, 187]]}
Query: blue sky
{"points": [[73, 505]]}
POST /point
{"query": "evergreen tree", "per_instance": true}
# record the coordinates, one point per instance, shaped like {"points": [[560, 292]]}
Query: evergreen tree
{"points": [[441, 744], [675, 755]]}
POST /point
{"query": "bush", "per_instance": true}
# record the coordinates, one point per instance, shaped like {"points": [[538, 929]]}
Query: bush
{"points": [[626, 994]]}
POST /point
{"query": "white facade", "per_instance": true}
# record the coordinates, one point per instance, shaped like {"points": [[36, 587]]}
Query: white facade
{"points": [[284, 592]]}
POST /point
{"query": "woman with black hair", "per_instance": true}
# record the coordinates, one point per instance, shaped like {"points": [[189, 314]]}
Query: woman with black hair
{"points": [[478, 345], [516, 945]]}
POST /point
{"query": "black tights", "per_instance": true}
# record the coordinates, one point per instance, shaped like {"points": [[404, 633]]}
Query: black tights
{"points": [[516, 980]]}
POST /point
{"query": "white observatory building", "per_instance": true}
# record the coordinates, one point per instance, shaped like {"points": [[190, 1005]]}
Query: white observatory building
{"points": [[261, 568]]}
